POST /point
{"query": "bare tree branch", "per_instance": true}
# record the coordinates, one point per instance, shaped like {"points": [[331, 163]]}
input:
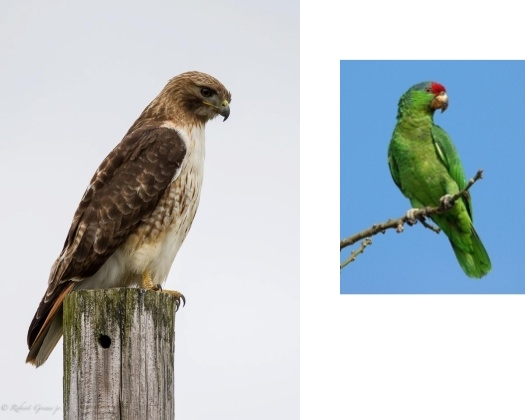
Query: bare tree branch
{"points": [[354, 254], [428, 225], [398, 224]]}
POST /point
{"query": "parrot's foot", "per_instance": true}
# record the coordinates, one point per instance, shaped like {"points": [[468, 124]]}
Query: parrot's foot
{"points": [[445, 201], [147, 283], [411, 218]]}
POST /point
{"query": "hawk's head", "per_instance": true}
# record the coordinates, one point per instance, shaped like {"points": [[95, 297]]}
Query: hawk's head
{"points": [[197, 94]]}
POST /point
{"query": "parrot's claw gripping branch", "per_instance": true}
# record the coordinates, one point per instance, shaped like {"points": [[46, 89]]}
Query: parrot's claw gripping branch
{"points": [[409, 218], [445, 202]]}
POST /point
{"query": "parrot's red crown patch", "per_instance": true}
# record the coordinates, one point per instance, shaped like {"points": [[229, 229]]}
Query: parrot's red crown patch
{"points": [[437, 88]]}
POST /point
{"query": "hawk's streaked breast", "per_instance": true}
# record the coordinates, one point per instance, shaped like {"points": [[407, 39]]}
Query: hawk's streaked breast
{"points": [[159, 238]]}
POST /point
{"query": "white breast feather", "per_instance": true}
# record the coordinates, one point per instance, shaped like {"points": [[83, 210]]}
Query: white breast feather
{"points": [[160, 256]]}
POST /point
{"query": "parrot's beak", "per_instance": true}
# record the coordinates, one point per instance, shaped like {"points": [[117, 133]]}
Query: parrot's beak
{"points": [[440, 102]]}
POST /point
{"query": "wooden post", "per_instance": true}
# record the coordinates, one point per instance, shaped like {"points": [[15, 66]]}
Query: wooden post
{"points": [[118, 354]]}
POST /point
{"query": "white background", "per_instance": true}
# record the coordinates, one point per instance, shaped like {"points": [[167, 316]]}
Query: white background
{"points": [[396, 357]]}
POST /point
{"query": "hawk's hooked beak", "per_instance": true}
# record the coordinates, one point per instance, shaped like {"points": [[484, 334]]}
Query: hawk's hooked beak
{"points": [[440, 102], [223, 109]]}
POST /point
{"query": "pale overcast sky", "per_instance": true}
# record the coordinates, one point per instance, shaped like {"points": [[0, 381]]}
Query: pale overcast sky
{"points": [[73, 79]]}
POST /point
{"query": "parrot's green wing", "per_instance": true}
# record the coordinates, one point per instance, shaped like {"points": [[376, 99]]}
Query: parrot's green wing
{"points": [[394, 171], [449, 156]]}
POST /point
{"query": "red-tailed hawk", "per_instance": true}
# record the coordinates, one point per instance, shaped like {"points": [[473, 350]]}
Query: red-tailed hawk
{"points": [[139, 206]]}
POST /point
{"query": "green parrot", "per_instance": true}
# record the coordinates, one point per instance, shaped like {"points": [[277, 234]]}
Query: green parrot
{"points": [[426, 167]]}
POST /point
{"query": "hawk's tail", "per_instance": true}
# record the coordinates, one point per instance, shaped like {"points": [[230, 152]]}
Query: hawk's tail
{"points": [[46, 328]]}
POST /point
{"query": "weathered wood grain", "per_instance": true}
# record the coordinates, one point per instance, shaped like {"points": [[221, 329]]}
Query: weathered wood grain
{"points": [[119, 354]]}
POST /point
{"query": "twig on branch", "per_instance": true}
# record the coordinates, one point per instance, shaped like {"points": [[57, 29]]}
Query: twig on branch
{"points": [[398, 223], [428, 225], [354, 254]]}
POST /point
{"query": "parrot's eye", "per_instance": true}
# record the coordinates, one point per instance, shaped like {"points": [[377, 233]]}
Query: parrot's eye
{"points": [[427, 90], [206, 92]]}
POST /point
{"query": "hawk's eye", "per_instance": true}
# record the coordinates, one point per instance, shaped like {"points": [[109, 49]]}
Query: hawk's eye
{"points": [[206, 92]]}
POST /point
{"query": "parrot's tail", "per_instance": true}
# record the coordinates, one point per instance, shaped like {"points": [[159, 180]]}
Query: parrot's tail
{"points": [[475, 262]]}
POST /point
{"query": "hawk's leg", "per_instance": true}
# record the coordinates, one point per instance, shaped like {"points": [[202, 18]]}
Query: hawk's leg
{"points": [[147, 283]]}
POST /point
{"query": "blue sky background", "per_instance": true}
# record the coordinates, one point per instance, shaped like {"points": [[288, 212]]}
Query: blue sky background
{"points": [[486, 121]]}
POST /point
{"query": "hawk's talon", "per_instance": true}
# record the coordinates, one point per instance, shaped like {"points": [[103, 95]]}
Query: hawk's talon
{"points": [[178, 297], [147, 283]]}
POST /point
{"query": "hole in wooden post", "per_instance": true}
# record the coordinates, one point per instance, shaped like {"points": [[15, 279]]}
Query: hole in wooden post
{"points": [[104, 341]]}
